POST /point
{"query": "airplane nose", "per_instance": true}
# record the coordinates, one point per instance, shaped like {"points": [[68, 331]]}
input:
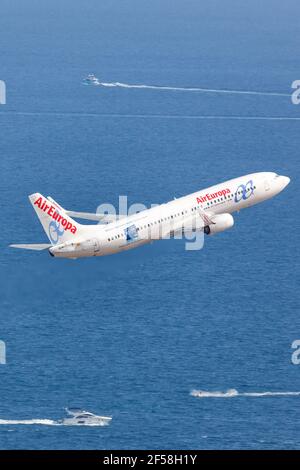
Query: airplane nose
{"points": [[285, 181]]}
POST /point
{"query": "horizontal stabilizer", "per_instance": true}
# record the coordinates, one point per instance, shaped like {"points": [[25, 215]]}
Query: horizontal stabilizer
{"points": [[32, 246]]}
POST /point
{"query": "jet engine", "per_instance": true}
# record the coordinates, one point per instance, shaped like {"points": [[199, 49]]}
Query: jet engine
{"points": [[221, 222]]}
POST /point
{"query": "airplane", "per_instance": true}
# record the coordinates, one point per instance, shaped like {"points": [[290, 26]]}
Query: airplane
{"points": [[207, 211]]}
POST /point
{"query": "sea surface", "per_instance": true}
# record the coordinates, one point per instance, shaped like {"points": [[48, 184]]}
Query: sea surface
{"points": [[134, 335]]}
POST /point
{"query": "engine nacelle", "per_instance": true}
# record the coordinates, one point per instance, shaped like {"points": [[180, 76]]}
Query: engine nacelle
{"points": [[221, 222]]}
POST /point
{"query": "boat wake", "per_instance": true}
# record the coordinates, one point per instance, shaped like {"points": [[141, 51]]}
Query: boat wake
{"points": [[187, 89], [232, 392], [46, 422]]}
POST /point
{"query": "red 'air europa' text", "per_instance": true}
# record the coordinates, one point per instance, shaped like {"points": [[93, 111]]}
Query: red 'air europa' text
{"points": [[211, 196], [52, 212]]}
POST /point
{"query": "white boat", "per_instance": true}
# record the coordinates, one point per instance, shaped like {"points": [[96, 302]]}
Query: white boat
{"points": [[231, 392], [80, 417], [91, 79]]}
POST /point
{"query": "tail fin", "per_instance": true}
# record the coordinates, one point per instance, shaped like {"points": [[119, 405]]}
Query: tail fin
{"points": [[58, 226]]}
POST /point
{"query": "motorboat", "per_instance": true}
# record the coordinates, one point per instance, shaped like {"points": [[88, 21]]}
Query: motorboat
{"points": [[79, 417], [231, 392], [91, 79]]}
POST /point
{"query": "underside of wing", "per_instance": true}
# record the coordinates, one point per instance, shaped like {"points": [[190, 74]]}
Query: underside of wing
{"points": [[101, 218]]}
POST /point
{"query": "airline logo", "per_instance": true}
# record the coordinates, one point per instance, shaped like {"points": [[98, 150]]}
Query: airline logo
{"points": [[58, 219], [55, 232], [212, 196], [244, 191]]}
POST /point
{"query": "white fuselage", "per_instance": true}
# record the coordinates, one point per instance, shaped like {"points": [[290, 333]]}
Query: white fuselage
{"points": [[164, 220]]}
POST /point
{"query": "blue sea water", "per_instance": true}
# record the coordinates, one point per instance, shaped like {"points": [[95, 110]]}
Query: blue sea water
{"points": [[131, 335]]}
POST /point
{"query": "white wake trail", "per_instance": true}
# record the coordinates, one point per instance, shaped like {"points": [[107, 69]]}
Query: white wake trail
{"points": [[271, 394], [190, 89], [46, 422], [232, 392]]}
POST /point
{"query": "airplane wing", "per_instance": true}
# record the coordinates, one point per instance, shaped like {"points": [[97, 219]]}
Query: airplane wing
{"points": [[103, 218], [99, 217], [32, 246]]}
